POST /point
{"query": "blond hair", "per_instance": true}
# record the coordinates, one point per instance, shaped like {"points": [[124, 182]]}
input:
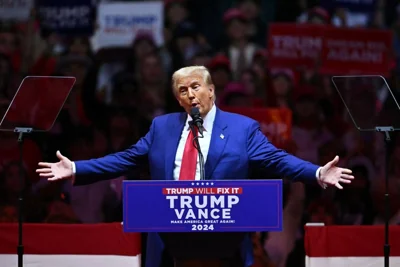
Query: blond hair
{"points": [[187, 71]]}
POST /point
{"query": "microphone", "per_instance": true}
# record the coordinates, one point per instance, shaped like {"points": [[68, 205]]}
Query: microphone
{"points": [[197, 120]]}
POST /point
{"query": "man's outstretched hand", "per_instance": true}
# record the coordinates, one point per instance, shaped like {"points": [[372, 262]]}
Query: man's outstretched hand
{"points": [[56, 171], [331, 175]]}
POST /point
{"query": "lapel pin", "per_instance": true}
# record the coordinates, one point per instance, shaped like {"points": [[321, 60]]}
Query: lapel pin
{"points": [[222, 136]]}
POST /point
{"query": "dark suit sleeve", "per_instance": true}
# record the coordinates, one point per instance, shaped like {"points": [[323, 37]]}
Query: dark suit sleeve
{"points": [[114, 165], [276, 162]]}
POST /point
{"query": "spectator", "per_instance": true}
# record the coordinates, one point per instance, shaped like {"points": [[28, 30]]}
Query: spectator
{"points": [[220, 71], [60, 212], [354, 203], [254, 86], [240, 50], [236, 95], [309, 130], [282, 86], [257, 29]]}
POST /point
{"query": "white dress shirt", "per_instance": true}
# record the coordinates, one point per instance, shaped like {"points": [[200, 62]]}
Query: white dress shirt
{"points": [[208, 122]]}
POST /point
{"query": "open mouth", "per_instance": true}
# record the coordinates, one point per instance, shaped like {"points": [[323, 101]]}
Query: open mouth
{"points": [[195, 105]]}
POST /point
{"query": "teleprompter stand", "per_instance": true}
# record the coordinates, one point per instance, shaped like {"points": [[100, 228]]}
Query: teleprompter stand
{"points": [[359, 95], [20, 247], [34, 108], [386, 247]]}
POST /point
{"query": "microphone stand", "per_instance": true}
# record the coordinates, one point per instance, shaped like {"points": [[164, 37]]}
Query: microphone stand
{"points": [[196, 144]]}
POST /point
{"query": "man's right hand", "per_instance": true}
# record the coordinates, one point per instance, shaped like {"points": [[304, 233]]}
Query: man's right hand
{"points": [[56, 171]]}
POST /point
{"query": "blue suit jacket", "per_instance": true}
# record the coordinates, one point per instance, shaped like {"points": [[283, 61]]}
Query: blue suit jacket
{"points": [[244, 148]]}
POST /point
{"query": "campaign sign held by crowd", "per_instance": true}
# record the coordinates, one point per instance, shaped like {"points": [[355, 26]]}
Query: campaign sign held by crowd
{"points": [[199, 206], [66, 17]]}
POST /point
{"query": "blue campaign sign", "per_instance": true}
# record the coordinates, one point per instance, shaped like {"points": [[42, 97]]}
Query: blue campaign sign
{"points": [[66, 17], [195, 206], [357, 6]]}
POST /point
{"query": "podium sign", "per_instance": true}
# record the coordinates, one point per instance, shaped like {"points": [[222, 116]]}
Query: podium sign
{"points": [[202, 206]]}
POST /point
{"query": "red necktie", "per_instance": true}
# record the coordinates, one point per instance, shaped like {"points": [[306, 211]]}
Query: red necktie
{"points": [[189, 159]]}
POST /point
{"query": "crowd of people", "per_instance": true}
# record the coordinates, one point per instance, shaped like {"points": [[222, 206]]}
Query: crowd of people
{"points": [[119, 91]]}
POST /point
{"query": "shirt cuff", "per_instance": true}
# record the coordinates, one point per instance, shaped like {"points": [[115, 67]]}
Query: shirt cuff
{"points": [[317, 174], [73, 173]]}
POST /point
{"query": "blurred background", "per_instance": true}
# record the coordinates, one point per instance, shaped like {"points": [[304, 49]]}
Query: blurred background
{"points": [[271, 60]]}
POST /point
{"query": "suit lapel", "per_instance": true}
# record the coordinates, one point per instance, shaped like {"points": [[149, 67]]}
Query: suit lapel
{"points": [[173, 135], [219, 138]]}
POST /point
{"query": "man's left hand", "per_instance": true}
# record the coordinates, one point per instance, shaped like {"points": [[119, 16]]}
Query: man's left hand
{"points": [[332, 175]]}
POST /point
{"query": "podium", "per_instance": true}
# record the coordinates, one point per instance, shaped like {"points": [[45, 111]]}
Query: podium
{"points": [[202, 220]]}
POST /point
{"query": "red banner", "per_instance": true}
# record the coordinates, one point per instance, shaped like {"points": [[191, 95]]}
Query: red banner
{"points": [[276, 124], [336, 50], [65, 245], [356, 51], [349, 241], [73, 239], [296, 45], [353, 245]]}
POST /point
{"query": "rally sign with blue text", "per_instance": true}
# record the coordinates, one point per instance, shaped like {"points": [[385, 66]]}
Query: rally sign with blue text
{"points": [[198, 206]]}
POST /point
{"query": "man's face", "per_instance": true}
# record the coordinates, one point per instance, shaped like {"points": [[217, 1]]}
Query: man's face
{"points": [[79, 47], [281, 85], [220, 77], [152, 70], [236, 30], [192, 91]]}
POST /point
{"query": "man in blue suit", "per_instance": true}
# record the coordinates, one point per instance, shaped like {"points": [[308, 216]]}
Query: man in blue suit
{"points": [[233, 146]]}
